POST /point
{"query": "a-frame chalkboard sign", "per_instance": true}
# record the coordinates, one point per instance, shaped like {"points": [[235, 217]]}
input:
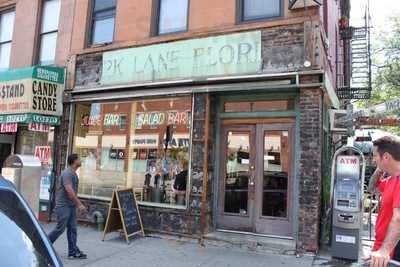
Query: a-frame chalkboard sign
{"points": [[123, 214]]}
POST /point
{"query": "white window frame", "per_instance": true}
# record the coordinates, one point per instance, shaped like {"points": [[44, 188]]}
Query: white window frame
{"points": [[44, 33], [158, 29], [2, 43], [93, 20], [265, 17]]}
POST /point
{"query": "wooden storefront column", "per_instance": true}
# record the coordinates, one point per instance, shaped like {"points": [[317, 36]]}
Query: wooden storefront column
{"points": [[204, 200]]}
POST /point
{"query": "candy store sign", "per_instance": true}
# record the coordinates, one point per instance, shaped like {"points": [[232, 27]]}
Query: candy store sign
{"points": [[154, 119]]}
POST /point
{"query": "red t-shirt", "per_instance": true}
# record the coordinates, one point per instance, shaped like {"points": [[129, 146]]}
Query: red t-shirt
{"points": [[390, 200]]}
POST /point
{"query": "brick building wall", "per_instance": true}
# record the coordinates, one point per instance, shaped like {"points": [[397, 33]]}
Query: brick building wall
{"points": [[25, 39], [309, 179], [133, 22]]}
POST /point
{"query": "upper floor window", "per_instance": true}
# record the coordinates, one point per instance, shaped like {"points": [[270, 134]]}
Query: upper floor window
{"points": [[6, 32], [49, 31], [172, 16], [103, 21], [260, 9]]}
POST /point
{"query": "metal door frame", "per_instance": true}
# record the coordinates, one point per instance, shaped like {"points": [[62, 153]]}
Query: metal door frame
{"points": [[255, 201], [274, 224], [243, 221]]}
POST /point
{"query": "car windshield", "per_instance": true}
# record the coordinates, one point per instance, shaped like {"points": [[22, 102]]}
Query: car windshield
{"points": [[21, 243]]}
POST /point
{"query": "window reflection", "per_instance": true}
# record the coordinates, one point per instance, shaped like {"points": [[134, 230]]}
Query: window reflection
{"points": [[237, 173], [142, 145], [276, 167]]}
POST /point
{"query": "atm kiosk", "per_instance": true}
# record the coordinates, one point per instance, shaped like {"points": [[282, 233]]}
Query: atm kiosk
{"points": [[348, 170]]}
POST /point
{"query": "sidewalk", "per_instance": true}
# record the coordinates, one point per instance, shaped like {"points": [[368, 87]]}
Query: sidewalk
{"points": [[171, 252]]}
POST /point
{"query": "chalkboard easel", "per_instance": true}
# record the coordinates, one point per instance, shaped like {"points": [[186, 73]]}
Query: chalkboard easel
{"points": [[123, 214]]}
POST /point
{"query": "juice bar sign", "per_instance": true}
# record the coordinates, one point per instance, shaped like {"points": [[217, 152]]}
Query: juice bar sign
{"points": [[230, 54], [38, 92]]}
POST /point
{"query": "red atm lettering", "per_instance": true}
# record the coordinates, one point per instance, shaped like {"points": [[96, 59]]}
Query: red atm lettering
{"points": [[348, 161], [43, 153]]}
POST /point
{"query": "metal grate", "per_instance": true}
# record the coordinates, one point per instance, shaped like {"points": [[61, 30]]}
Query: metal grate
{"points": [[353, 93], [346, 33]]}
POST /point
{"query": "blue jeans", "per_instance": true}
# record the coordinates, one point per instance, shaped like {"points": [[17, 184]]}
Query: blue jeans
{"points": [[66, 218]]}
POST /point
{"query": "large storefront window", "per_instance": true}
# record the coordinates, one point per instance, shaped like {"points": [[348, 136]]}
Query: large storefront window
{"points": [[142, 145]]}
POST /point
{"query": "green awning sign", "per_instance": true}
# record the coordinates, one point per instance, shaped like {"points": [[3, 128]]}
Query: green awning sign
{"points": [[34, 90], [43, 73], [29, 117]]}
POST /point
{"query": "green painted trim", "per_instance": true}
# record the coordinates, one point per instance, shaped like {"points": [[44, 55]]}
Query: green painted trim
{"points": [[16, 74], [279, 95], [255, 88], [35, 72], [296, 180], [331, 92], [217, 180], [30, 117], [50, 74], [256, 115], [262, 96]]}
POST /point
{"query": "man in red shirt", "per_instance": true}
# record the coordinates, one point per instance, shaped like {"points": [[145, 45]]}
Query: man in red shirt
{"points": [[387, 157]]}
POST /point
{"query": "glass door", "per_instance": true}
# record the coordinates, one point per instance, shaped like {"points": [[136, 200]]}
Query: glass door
{"points": [[273, 182], [236, 194], [255, 179]]}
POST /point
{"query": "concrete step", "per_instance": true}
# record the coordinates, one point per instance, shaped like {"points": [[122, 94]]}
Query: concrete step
{"points": [[249, 242]]}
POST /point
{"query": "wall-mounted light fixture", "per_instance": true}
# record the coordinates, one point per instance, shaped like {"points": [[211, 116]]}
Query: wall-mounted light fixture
{"points": [[294, 4]]}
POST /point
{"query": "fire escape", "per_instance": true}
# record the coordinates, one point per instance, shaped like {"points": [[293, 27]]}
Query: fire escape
{"points": [[354, 62]]}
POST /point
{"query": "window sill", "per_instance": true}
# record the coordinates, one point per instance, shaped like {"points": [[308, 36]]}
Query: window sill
{"points": [[170, 33], [161, 205], [249, 21], [99, 45], [140, 203]]}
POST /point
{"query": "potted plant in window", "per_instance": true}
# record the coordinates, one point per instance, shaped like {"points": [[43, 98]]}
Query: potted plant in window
{"points": [[343, 22]]}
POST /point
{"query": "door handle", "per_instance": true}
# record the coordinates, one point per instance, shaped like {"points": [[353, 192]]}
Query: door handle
{"points": [[251, 181]]}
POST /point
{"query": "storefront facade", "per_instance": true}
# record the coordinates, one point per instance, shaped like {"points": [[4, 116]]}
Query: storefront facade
{"points": [[30, 112], [215, 133]]}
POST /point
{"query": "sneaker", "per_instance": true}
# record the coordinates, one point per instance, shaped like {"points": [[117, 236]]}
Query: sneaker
{"points": [[79, 255]]}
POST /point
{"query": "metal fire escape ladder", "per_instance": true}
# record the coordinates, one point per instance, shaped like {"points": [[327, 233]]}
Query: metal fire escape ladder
{"points": [[359, 84]]}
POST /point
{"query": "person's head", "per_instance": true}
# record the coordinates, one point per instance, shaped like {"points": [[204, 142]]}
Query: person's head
{"points": [[386, 153], [74, 161]]}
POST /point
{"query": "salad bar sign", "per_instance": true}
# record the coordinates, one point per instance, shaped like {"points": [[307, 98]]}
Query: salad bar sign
{"points": [[162, 118]]}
